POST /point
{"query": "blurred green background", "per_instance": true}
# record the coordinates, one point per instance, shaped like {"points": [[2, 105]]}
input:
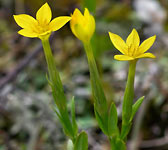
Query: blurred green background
{"points": [[27, 121]]}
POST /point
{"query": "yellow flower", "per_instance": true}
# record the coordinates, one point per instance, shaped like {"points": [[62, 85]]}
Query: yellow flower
{"points": [[82, 26], [42, 26], [131, 49]]}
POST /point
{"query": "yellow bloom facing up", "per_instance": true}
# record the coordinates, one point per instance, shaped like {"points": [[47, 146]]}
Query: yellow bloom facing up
{"points": [[131, 49], [42, 26], [82, 26]]}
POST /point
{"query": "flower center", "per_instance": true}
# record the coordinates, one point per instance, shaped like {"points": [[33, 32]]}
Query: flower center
{"points": [[41, 28], [132, 50]]}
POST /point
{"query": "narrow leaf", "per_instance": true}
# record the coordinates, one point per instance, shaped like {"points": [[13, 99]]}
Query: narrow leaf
{"points": [[49, 82], [81, 142], [113, 120], [62, 122], [125, 130], [136, 106], [74, 124], [100, 121]]}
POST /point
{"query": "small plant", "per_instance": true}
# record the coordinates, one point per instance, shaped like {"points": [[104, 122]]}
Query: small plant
{"points": [[83, 27], [42, 28], [131, 52]]}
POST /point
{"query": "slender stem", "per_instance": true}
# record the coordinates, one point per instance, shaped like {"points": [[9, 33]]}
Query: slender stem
{"points": [[100, 102], [128, 99], [57, 89], [97, 89], [54, 76]]}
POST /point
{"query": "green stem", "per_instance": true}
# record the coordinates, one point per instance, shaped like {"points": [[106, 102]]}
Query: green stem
{"points": [[54, 76], [97, 89], [128, 100], [57, 89]]}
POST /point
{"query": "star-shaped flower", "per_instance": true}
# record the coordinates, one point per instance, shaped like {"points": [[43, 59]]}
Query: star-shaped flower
{"points": [[131, 49], [42, 26]]}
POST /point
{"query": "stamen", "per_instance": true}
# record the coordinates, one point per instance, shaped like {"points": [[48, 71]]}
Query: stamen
{"points": [[134, 50]]}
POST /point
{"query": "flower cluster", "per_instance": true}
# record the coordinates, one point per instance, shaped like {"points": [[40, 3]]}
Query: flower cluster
{"points": [[83, 27]]}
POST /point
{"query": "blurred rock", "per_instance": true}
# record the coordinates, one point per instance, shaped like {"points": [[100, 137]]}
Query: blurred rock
{"points": [[152, 13]]}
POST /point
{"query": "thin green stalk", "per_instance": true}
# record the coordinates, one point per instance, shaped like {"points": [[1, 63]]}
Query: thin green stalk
{"points": [[54, 76], [98, 94], [128, 100], [97, 89], [57, 90]]}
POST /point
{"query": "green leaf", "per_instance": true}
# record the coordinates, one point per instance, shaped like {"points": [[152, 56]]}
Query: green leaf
{"points": [[136, 106], [74, 124], [62, 122], [49, 82], [100, 121], [81, 142], [113, 121], [125, 130], [67, 127]]}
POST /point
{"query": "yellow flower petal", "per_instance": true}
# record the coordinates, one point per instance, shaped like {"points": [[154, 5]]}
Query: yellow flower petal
{"points": [[25, 21], [123, 57], [44, 14], [118, 43], [147, 44], [82, 26], [92, 25], [77, 17], [81, 33], [133, 39], [86, 13], [90, 21], [28, 33], [146, 55], [58, 22]]}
